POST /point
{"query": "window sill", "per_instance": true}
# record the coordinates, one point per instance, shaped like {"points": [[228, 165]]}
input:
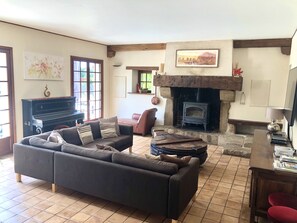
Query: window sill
{"points": [[140, 93]]}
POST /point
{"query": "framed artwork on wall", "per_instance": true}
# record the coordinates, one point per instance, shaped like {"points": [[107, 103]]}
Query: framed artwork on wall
{"points": [[43, 67], [197, 58]]}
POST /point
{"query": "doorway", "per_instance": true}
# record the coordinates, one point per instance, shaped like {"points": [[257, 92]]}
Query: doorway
{"points": [[7, 113]]}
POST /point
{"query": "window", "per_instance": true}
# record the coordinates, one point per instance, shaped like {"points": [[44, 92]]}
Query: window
{"points": [[87, 86], [7, 119], [145, 80]]}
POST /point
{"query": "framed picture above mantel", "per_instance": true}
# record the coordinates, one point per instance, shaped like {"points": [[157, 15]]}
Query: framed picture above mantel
{"points": [[197, 58]]}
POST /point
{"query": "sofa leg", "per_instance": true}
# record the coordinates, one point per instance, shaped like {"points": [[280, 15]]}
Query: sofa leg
{"points": [[54, 188], [194, 197], [130, 149], [18, 177]]}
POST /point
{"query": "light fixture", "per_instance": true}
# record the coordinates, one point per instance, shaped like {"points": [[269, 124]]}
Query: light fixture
{"points": [[274, 114], [117, 64]]}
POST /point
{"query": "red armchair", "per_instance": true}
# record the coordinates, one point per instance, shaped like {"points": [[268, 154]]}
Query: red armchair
{"points": [[142, 123]]}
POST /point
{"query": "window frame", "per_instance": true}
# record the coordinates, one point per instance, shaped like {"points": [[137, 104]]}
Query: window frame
{"points": [[88, 61], [139, 81]]}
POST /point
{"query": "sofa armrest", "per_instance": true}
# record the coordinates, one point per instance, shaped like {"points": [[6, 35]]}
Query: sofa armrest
{"points": [[126, 130], [34, 162], [182, 187]]}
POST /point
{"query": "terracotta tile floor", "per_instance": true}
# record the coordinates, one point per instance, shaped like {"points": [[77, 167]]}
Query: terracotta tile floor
{"points": [[222, 196]]}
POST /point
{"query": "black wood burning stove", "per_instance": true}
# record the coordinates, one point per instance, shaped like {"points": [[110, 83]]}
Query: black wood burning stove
{"points": [[195, 113]]}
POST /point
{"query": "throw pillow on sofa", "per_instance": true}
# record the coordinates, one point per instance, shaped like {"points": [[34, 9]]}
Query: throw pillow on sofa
{"points": [[108, 130], [106, 147], [42, 143], [153, 157], [55, 137], [145, 164], [111, 120], [85, 134], [181, 162]]}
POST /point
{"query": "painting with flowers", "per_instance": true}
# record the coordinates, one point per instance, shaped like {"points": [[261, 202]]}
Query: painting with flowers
{"points": [[43, 67]]}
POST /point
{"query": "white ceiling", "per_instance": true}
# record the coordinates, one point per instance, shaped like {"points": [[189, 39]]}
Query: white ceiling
{"points": [[155, 21]]}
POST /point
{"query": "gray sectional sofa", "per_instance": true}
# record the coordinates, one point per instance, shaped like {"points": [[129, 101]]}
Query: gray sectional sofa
{"points": [[150, 185]]}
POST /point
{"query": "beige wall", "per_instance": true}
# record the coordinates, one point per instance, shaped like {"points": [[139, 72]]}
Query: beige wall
{"points": [[225, 58], [125, 105], [260, 64], [257, 64], [28, 40]]}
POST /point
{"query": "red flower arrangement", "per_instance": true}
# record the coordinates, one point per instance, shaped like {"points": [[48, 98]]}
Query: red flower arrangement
{"points": [[236, 72]]}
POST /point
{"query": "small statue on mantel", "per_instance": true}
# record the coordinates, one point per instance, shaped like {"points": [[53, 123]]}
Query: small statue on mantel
{"points": [[46, 92]]}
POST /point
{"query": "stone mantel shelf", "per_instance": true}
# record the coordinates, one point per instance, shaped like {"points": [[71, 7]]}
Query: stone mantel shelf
{"points": [[193, 81]]}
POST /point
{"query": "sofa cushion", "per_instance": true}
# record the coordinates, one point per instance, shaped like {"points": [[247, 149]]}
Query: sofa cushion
{"points": [[117, 142], [55, 137], [111, 120], [87, 152], [95, 126], [92, 145], [70, 135], [43, 143], [142, 163], [25, 140], [85, 134], [181, 162], [108, 130]]}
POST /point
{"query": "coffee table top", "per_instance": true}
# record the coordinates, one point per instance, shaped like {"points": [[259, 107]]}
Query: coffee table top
{"points": [[177, 142]]}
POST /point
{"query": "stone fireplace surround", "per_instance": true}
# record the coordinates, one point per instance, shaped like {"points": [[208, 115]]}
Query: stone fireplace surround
{"points": [[232, 144], [226, 86]]}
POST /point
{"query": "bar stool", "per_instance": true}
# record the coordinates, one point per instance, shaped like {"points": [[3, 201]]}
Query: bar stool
{"points": [[284, 208], [282, 199], [282, 214]]}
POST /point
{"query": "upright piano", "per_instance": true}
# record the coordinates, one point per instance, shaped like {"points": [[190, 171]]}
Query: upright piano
{"points": [[45, 114]]}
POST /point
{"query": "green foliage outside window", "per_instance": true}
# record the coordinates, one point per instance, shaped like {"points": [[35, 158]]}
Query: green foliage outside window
{"points": [[145, 80]]}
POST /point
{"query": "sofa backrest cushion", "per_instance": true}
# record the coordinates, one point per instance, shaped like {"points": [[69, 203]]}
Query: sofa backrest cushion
{"points": [[25, 140], [56, 137], [87, 152], [95, 128], [142, 163], [43, 143], [70, 135]]}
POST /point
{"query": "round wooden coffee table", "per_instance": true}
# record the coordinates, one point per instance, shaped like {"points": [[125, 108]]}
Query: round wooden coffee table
{"points": [[172, 144]]}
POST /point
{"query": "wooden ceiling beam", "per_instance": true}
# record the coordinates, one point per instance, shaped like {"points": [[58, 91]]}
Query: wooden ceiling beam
{"points": [[112, 49], [142, 68], [283, 43]]}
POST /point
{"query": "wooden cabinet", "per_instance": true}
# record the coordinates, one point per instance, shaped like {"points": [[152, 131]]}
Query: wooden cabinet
{"points": [[264, 179]]}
